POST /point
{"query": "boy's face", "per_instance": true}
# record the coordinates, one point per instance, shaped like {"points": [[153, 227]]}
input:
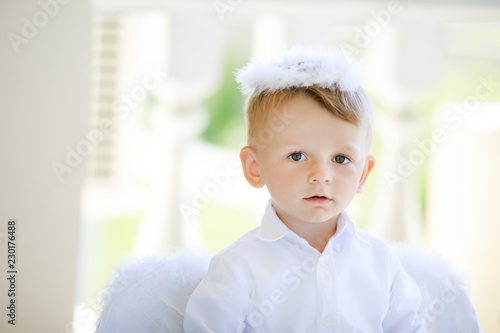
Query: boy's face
{"points": [[313, 166]]}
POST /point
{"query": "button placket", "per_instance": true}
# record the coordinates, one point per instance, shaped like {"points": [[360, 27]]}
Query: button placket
{"points": [[327, 285]]}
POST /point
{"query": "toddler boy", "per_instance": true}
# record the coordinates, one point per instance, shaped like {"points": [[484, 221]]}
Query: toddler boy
{"points": [[307, 268]]}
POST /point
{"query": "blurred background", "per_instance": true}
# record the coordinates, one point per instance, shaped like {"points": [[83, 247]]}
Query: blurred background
{"points": [[122, 124]]}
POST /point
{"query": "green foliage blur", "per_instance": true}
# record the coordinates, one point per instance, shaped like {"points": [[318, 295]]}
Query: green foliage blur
{"points": [[225, 107]]}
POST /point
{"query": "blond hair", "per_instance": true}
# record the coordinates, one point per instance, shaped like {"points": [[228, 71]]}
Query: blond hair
{"points": [[353, 107]]}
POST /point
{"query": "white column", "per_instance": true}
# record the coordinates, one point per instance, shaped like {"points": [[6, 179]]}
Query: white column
{"points": [[399, 73], [45, 99], [194, 52]]}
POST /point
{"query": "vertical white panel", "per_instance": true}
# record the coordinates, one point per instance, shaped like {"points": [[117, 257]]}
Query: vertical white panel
{"points": [[463, 202], [45, 99]]}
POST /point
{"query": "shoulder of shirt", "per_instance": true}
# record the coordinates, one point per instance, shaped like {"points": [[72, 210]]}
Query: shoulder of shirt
{"points": [[380, 247], [376, 243]]}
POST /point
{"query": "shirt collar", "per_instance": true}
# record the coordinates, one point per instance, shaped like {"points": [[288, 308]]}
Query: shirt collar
{"points": [[273, 229], [345, 223]]}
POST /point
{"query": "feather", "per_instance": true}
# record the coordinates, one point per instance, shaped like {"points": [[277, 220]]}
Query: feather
{"points": [[445, 305], [301, 67], [150, 295]]}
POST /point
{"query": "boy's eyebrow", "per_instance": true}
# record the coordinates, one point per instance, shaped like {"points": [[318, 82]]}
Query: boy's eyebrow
{"points": [[348, 147], [351, 147]]}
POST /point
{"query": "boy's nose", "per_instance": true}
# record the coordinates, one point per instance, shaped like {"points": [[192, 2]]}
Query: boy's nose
{"points": [[320, 174]]}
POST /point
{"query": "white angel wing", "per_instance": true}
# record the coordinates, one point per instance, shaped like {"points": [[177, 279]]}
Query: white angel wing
{"points": [[150, 295], [445, 306]]}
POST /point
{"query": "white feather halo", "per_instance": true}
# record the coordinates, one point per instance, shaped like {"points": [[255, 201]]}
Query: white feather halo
{"points": [[302, 67]]}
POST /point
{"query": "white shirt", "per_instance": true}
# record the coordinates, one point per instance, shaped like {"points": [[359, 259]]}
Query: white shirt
{"points": [[272, 280]]}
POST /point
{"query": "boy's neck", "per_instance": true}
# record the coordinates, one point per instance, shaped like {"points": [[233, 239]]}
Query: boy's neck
{"points": [[316, 234]]}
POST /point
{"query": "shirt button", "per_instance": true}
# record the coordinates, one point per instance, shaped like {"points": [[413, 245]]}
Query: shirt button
{"points": [[337, 247], [297, 245], [326, 321]]}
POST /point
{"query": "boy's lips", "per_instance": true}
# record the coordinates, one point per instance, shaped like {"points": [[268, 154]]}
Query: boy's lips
{"points": [[318, 199]]}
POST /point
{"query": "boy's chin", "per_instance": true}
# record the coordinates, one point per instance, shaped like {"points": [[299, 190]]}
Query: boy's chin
{"points": [[320, 218]]}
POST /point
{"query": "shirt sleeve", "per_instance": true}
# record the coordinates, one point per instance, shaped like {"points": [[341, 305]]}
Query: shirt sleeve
{"points": [[402, 315], [221, 301]]}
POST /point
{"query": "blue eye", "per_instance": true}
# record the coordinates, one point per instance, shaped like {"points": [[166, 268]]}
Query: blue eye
{"points": [[341, 159], [296, 157]]}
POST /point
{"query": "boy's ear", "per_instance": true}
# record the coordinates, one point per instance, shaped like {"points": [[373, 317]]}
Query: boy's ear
{"points": [[370, 162], [248, 156]]}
